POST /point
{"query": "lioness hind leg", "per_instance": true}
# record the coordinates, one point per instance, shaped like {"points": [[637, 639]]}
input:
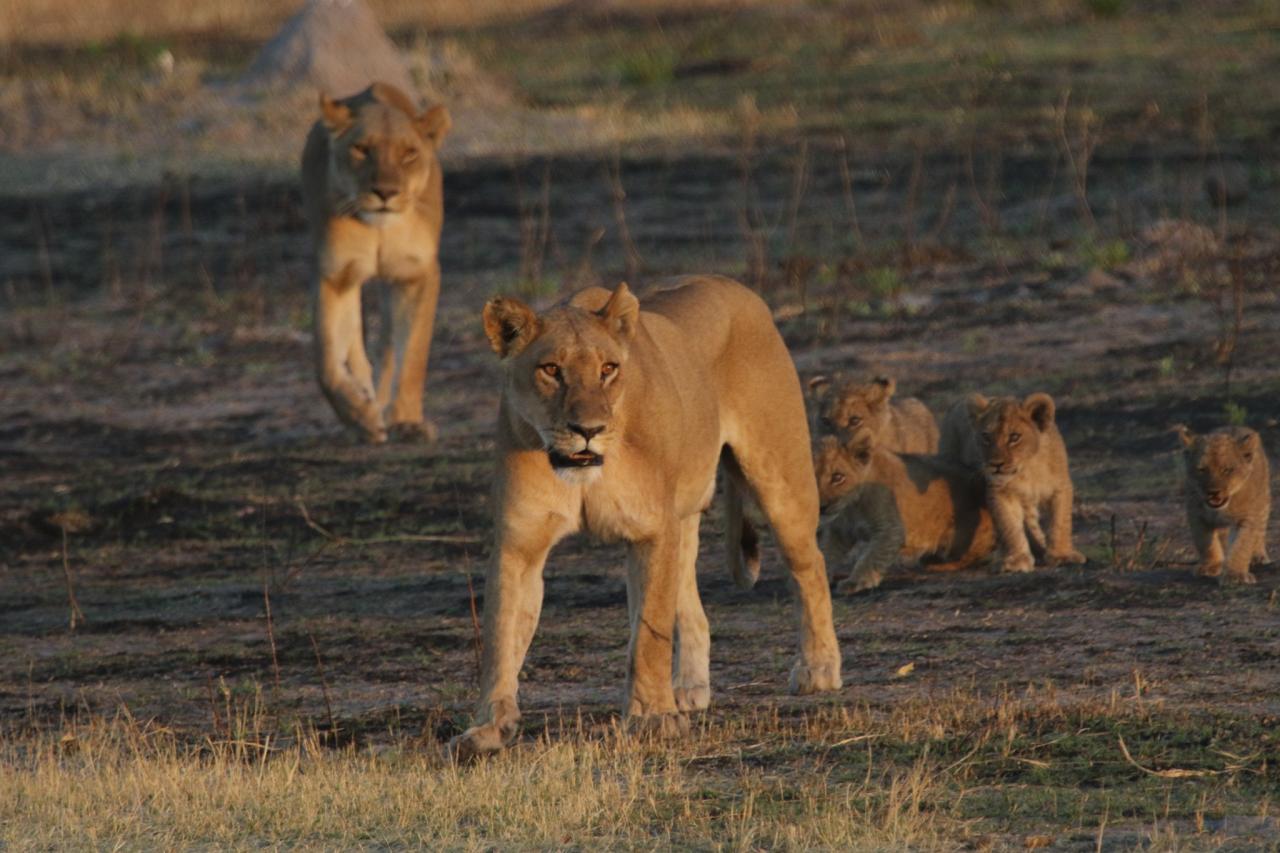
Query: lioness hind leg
{"points": [[691, 678]]}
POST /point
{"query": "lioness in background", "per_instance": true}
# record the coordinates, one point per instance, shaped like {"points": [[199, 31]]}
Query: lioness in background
{"points": [[1015, 444], [614, 420], [853, 409], [371, 189], [1228, 500], [903, 507]]}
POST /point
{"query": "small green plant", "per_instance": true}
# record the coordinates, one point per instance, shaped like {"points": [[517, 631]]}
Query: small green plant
{"points": [[647, 67], [1105, 255], [1105, 8], [1167, 367], [1236, 413], [884, 282]]}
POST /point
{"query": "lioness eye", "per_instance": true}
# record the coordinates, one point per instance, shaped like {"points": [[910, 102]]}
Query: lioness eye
{"points": [[608, 369], [552, 370], [1226, 472], [1015, 437], [410, 155], [854, 420], [837, 478]]}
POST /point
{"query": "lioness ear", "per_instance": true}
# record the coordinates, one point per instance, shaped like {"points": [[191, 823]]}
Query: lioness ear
{"points": [[1185, 434], [335, 114], [818, 386], [1041, 409], [621, 312], [434, 123], [509, 325]]}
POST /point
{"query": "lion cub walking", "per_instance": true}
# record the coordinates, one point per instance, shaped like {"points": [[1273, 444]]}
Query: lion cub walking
{"points": [[856, 409], [1016, 446], [1228, 500], [902, 506]]}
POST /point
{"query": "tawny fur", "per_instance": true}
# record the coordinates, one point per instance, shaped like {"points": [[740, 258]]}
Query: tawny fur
{"points": [[903, 506], [613, 420], [853, 409], [1016, 446], [372, 193], [1228, 499]]}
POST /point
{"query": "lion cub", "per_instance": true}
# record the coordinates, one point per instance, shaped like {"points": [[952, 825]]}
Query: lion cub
{"points": [[1017, 448], [1228, 500], [854, 409], [908, 506]]}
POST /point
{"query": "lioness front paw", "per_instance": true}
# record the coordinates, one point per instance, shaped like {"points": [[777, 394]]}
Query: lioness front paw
{"points": [[481, 740], [856, 583], [1068, 558], [1018, 563], [693, 697], [662, 726], [817, 677], [1247, 578], [411, 432], [1209, 570]]}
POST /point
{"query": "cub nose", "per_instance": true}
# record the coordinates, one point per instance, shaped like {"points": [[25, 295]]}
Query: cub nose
{"points": [[386, 193], [585, 431]]}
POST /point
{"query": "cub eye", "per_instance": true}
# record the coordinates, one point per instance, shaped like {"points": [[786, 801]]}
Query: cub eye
{"points": [[552, 370], [410, 155], [854, 420], [837, 478], [1015, 437], [608, 369], [1227, 472]]}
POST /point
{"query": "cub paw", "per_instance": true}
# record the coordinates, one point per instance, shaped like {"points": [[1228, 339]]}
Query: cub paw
{"points": [[1068, 558], [693, 697], [411, 432], [481, 740], [819, 677], [1017, 563], [859, 583]]}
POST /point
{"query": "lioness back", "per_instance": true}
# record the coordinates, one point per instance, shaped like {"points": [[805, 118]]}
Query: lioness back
{"points": [[1228, 500]]}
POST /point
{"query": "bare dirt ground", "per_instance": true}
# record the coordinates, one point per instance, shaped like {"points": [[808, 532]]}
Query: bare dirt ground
{"points": [[157, 407]]}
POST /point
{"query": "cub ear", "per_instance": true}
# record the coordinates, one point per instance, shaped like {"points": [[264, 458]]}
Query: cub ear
{"points": [[1249, 443], [621, 313], [883, 387], [434, 124], [1040, 408], [1184, 434], [976, 404], [818, 387], [335, 114], [509, 325]]}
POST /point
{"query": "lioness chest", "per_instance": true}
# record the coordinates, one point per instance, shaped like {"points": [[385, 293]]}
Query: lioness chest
{"points": [[398, 247]]}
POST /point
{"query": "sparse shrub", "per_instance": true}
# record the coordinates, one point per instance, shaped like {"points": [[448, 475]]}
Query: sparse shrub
{"points": [[1107, 255], [1236, 413], [649, 67]]}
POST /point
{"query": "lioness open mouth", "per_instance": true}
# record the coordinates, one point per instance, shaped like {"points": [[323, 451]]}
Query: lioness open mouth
{"points": [[581, 459]]}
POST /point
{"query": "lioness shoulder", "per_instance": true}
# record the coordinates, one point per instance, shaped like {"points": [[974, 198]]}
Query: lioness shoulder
{"points": [[853, 409], [1228, 500], [909, 506], [1016, 446]]}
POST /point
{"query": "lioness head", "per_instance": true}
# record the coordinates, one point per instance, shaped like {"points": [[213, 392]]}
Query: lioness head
{"points": [[382, 151], [1006, 432], [1218, 464], [566, 371], [854, 409], [839, 468]]}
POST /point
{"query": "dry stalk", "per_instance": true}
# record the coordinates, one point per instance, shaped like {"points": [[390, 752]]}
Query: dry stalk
{"points": [[324, 684], [271, 634], [1078, 157], [618, 196], [846, 186], [77, 615], [750, 218]]}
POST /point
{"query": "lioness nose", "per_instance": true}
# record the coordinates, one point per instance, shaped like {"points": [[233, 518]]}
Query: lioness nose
{"points": [[585, 431], [386, 193]]}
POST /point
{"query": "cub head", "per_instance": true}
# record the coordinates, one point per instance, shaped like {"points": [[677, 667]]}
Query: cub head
{"points": [[1007, 431], [382, 151], [566, 372], [1219, 463], [839, 468], [853, 409]]}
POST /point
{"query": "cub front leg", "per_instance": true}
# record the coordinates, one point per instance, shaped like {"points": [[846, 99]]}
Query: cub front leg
{"points": [[1208, 546], [410, 315], [1008, 516], [652, 588], [1244, 545], [1061, 551], [342, 367]]}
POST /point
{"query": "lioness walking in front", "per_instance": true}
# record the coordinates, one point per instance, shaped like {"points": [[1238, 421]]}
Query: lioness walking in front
{"points": [[372, 191], [613, 420]]}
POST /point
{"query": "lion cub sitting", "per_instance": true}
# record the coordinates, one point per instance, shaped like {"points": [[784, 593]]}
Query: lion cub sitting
{"points": [[908, 506], [854, 409], [1228, 500], [1017, 448]]}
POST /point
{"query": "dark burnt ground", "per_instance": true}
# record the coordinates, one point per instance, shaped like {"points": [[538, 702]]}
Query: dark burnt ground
{"points": [[156, 399]]}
